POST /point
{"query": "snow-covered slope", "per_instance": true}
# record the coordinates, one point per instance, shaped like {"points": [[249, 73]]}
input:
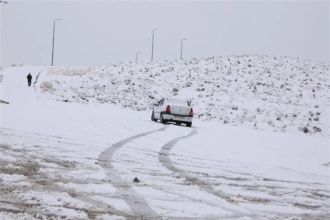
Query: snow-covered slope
{"points": [[61, 160], [268, 93]]}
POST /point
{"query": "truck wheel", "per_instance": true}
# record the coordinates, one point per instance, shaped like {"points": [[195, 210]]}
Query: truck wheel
{"points": [[188, 124], [162, 119], [153, 116]]}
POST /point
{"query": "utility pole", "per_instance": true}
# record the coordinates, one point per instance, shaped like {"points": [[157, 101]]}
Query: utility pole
{"points": [[136, 56], [54, 39], [181, 47], [152, 48]]}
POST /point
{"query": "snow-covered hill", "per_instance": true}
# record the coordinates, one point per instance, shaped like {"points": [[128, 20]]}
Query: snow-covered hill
{"points": [[61, 160], [262, 92]]}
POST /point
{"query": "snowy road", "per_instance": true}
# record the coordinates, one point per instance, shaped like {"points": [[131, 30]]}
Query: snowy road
{"points": [[77, 161]]}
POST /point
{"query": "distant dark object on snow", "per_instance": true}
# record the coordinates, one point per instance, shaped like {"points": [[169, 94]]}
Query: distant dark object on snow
{"points": [[1, 101], [305, 130], [136, 180], [29, 77]]}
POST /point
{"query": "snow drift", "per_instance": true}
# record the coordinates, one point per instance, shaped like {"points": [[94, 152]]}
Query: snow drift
{"points": [[268, 93]]}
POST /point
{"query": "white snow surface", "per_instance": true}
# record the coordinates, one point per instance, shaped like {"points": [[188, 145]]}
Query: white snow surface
{"points": [[72, 143]]}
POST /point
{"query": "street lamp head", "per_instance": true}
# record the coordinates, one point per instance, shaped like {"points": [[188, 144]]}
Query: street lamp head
{"points": [[3, 2], [156, 29]]}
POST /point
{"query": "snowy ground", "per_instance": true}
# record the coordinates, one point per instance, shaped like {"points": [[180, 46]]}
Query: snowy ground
{"points": [[73, 160]]}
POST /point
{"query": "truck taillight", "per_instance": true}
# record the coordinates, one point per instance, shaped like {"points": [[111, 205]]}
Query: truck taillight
{"points": [[168, 109], [191, 111]]}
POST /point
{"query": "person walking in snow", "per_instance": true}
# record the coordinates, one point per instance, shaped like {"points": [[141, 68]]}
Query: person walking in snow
{"points": [[29, 77]]}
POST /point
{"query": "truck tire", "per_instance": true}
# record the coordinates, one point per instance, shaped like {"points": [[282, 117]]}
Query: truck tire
{"points": [[162, 119], [153, 116]]}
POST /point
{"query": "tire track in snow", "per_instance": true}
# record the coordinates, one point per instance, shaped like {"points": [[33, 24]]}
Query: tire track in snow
{"points": [[165, 160], [31, 166], [137, 204]]}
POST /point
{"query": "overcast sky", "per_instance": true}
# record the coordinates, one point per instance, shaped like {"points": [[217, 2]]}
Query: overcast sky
{"points": [[96, 33]]}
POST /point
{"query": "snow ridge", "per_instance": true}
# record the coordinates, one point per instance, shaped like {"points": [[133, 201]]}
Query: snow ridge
{"points": [[269, 93]]}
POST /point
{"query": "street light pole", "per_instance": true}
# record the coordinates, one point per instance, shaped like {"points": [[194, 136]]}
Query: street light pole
{"points": [[136, 56], [181, 47], [54, 39], [152, 48], [3, 2]]}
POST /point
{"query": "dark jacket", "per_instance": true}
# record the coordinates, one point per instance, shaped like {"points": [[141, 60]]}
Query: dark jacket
{"points": [[29, 77]]}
